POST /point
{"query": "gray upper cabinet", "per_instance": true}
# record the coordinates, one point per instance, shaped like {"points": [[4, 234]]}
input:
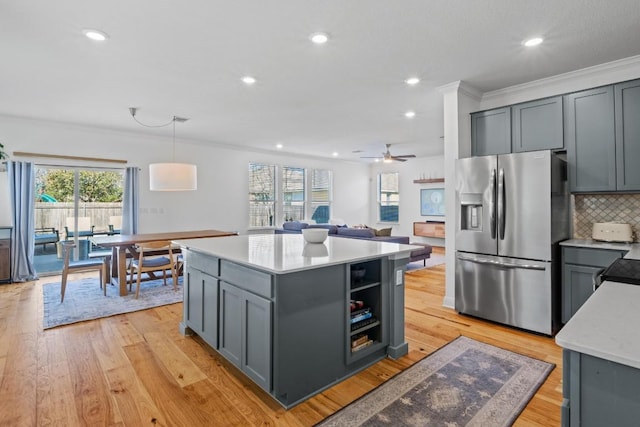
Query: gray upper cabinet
{"points": [[537, 125], [627, 108], [491, 132], [589, 126]]}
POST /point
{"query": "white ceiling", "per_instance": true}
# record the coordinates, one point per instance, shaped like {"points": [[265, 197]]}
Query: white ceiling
{"points": [[186, 58]]}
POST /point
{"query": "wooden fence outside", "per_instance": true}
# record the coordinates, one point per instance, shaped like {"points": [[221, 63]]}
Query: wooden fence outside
{"points": [[55, 215]]}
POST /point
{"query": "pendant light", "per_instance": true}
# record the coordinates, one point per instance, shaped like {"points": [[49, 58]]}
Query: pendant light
{"points": [[170, 176]]}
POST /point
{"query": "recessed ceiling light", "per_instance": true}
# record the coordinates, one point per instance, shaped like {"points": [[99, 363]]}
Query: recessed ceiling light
{"points": [[335, 154], [410, 114], [319, 38], [412, 81], [96, 35], [279, 146], [248, 80], [533, 41]]}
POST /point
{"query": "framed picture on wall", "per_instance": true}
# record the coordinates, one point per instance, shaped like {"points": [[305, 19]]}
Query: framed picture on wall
{"points": [[432, 202]]}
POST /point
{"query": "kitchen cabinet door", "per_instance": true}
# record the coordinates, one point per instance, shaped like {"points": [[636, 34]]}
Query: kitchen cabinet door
{"points": [[201, 305], [230, 339], [256, 330], [537, 125], [491, 132], [589, 126], [627, 101], [577, 287]]}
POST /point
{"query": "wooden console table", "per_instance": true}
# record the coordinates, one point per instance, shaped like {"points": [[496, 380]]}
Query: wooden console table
{"points": [[429, 229]]}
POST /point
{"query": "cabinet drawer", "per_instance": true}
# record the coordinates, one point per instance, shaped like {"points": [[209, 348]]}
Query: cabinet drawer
{"points": [[205, 263], [591, 257], [249, 279]]}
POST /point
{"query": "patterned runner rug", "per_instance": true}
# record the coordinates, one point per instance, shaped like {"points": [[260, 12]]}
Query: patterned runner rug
{"points": [[83, 300], [465, 383]]}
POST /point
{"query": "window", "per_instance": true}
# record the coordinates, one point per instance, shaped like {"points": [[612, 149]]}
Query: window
{"points": [[262, 195], [321, 195], [73, 203], [293, 193], [388, 197], [286, 198]]}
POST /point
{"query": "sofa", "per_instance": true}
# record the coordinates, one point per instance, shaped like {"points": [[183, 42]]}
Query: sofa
{"points": [[422, 252]]}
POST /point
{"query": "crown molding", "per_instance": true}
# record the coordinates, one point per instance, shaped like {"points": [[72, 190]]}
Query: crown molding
{"points": [[602, 74], [461, 87]]}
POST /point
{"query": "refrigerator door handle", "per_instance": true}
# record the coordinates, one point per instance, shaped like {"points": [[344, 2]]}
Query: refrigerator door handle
{"points": [[501, 264], [501, 204], [492, 204]]}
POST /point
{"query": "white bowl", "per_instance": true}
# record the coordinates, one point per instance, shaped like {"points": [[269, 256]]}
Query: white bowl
{"points": [[315, 235]]}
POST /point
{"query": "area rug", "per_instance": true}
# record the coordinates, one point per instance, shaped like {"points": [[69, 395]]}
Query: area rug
{"points": [[465, 383], [432, 261], [84, 300]]}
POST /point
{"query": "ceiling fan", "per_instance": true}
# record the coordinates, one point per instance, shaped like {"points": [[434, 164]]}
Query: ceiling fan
{"points": [[387, 157]]}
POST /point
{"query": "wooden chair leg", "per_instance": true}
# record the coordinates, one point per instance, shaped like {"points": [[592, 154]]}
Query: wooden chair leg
{"points": [[63, 286], [138, 284]]}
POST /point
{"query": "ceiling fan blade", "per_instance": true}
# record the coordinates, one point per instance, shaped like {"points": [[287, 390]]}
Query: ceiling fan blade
{"points": [[406, 156], [398, 159]]}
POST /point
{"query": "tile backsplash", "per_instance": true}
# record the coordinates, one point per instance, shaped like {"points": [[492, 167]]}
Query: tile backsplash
{"points": [[590, 208]]}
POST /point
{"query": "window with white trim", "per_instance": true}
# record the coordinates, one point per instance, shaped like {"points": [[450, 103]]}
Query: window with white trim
{"points": [[293, 194], [262, 195], [321, 180], [388, 197]]}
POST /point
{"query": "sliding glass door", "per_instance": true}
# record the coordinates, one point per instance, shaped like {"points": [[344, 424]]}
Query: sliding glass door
{"points": [[74, 204]]}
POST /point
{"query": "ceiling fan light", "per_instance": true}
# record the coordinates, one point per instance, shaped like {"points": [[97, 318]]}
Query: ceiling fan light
{"points": [[387, 160], [173, 177]]}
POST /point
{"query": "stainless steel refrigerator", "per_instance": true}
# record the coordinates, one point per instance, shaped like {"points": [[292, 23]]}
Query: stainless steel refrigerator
{"points": [[512, 211]]}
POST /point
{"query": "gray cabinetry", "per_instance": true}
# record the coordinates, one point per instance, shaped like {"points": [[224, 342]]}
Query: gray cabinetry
{"points": [[627, 107], [245, 332], [491, 132], [602, 130], [590, 137], [537, 125], [201, 290], [598, 392], [290, 332], [580, 267], [231, 323]]}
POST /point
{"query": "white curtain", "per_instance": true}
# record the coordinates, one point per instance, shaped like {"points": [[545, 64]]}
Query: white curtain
{"points": [[22, 196], [130, 201]]}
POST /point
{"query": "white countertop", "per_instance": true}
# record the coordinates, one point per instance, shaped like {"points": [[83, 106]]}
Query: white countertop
{"points": [[287, 253], [606, 325], [597, 244]]}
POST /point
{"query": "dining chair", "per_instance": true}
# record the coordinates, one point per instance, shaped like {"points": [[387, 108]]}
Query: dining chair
{"points": [[69, 267], [153, 256]]}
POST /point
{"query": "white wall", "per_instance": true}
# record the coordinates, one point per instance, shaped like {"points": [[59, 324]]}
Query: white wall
{"points": [[221, 201], [428, 167]]}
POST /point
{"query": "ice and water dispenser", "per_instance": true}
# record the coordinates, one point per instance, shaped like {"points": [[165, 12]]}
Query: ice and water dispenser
{"points": [[471, 211]]}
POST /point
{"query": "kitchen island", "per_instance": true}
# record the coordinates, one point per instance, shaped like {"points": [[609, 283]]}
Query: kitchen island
{"points": [[280, 309], [601, 357]]}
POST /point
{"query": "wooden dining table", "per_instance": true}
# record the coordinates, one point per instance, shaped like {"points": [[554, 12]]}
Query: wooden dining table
{"points": [[122, 244]]}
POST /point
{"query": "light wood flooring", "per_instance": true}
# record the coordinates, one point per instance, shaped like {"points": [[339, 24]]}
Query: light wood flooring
{"points": [[137, 370]]}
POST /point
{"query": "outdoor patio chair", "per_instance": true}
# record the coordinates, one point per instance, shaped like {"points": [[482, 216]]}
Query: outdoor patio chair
{"points": [[85, 229], [151, 263], [46, 235], [115, 224], [79, 266]]}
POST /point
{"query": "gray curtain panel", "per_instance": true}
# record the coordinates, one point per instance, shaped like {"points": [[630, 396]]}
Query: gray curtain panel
{"points": [[22, 195], [130, 203]]}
